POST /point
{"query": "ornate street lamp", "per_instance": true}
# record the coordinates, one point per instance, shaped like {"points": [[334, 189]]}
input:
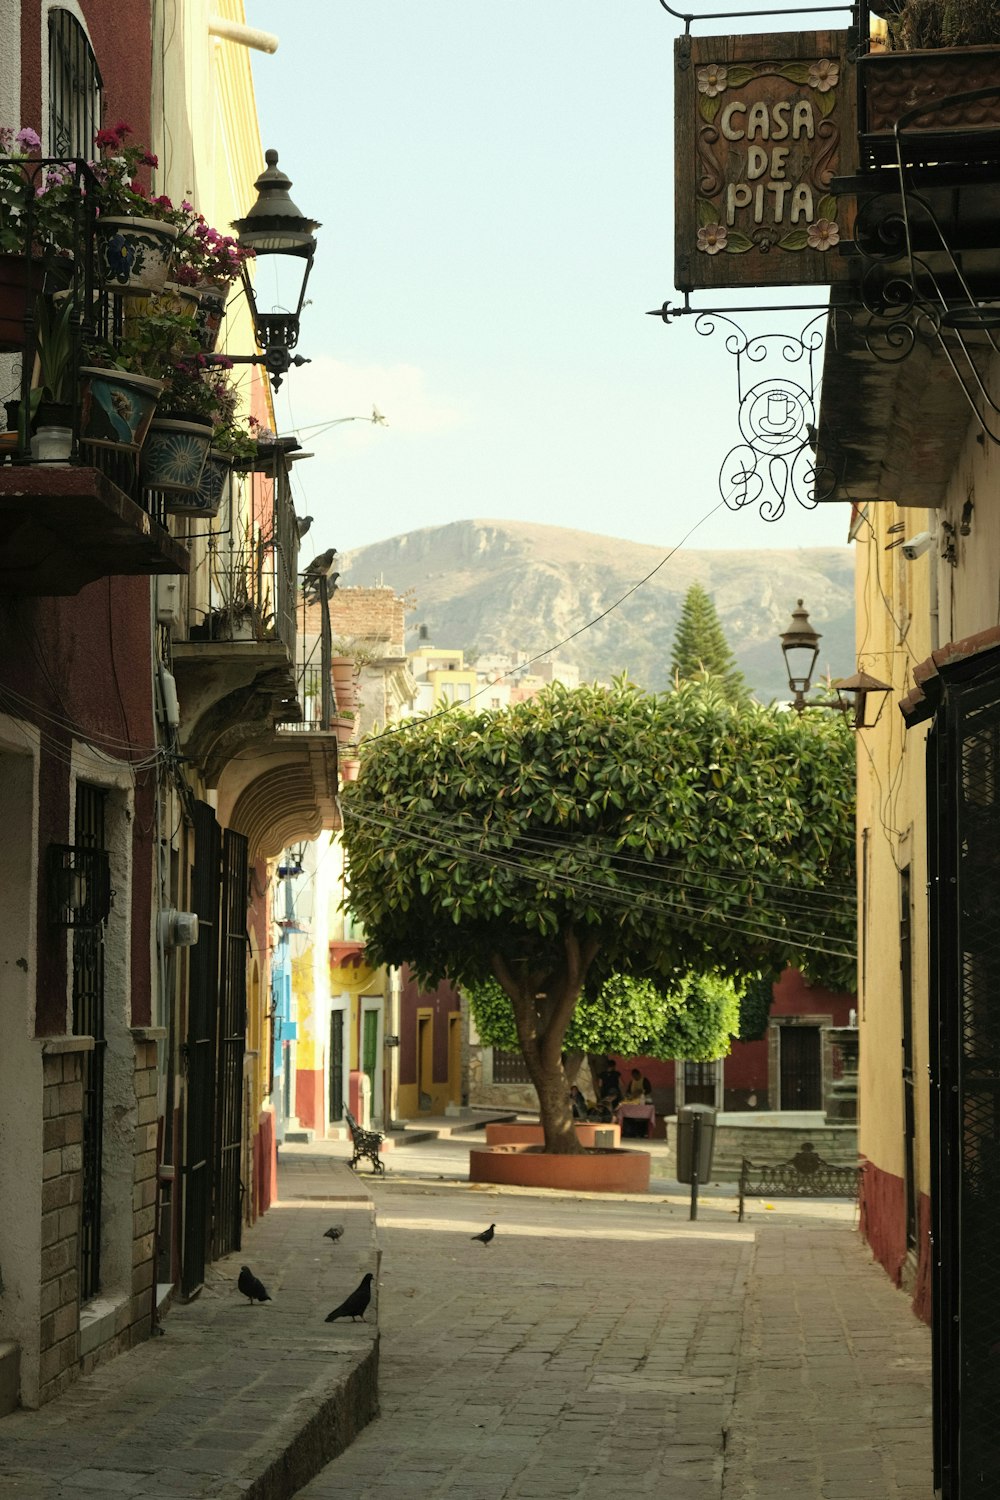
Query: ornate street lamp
{"points": [[275, 227], [861, 695]]}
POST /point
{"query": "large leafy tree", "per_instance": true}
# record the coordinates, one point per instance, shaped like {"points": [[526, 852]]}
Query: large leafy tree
{"points": [[700, 647], [696, 1017], [601, 831]]}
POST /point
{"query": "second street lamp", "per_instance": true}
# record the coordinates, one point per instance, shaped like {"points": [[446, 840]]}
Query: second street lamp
{"points": [[861, 694]]}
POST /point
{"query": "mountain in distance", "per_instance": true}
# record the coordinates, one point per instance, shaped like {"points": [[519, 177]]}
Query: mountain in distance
{"points": [[509, 587]]}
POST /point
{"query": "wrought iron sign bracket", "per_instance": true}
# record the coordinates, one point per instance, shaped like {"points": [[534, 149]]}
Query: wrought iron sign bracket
{"points": [[777, 380]]}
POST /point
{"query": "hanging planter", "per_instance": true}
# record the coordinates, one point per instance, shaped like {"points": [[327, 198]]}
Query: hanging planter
{"points": [[174, 455], [21, 279], [211, 311], [896, 82], [116, 407], [206, 500], [134, 255]]}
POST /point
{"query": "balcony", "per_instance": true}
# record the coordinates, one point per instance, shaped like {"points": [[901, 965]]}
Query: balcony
{"points": [[81, 514], [911, 355]]}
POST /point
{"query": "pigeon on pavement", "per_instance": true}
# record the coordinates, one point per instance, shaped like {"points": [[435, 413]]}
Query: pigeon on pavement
{"points": [[486, 1235], [354, 1306], [251, 1287], [334, 1232]]}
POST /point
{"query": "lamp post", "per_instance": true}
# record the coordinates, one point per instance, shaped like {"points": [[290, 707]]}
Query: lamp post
{"points": [[861, 694], [274, 226]]}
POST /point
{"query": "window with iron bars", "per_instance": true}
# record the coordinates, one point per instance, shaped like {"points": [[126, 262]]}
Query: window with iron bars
{"points": [[74, 88]]}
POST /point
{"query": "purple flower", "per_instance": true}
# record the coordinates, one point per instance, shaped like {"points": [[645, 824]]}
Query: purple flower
{"points": [[27, 139]]}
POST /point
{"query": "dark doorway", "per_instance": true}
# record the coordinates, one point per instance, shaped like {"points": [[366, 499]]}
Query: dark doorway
{"points": [[909, 1093], [336, 1066], [801, 1067]]}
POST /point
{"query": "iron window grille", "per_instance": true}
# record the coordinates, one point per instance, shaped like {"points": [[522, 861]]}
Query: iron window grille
{"points": [[74, 87], [79, 886]]}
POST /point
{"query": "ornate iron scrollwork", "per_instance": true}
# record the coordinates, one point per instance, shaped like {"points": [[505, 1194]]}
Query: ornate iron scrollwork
{"points": [[775, 460]]}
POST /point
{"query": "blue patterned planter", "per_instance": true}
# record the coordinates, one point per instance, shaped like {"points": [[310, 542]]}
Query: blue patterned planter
{"points": [[133, 255], [116, 408], [207, 498], [173, 455]]}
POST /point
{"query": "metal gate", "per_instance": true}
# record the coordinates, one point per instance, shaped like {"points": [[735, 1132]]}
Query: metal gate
{"points": [[336, 1066], [226, 1223], [200, 1048], [964, 867]]}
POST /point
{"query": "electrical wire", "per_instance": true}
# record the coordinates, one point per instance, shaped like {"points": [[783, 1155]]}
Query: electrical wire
{"points": [[615, 896]]}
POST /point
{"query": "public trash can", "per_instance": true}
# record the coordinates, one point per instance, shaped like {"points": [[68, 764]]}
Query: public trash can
{"points": [[685, 1141]]}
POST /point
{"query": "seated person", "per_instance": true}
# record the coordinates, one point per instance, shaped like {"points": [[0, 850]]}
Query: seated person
{"points": [[647, 1091], [634, 1092], [578, 1103], [609, 1090]]}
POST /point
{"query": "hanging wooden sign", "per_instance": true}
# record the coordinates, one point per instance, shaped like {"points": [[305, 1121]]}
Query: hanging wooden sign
{"points": [[763, 125]]}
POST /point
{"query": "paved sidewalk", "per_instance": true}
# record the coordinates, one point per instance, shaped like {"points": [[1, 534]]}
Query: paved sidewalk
{"points": [[234, 1400]]}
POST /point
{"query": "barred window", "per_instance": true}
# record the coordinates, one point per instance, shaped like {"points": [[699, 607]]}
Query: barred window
{"points": [[74, 88]]}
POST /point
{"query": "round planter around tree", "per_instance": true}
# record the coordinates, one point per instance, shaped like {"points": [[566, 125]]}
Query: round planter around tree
{"points": [[134, 255], [518, 1134], [21, 279], [206, 500], [174, 455], [116, 407], [600, 1171]]}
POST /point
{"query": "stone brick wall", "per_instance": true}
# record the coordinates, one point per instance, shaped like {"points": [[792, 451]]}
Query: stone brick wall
{"points": [[373, 618], [62, 1192], [144, 1188]]}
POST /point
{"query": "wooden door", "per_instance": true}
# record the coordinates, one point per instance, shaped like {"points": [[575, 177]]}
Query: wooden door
{"points": [[801, 1068]]}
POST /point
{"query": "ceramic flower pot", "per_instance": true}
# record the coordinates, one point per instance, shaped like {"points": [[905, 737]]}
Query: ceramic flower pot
{"points": [[21, 279], [133, 255], [208, 318], [895, 82], [207, 498], [174, 455], [116, 408]]}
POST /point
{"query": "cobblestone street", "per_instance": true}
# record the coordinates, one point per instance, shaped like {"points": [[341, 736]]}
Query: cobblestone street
{"points": [[596, 1348]]}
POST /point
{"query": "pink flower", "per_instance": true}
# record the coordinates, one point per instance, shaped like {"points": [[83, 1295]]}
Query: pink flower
{"points": [[824, 234], [147, 159], [27, 139], [712, 238]]}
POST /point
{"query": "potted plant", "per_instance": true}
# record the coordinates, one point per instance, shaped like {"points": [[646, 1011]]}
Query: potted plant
{"points": [[21, 271], [209, 262], [135, 231], [936, 49], [51, 401]]}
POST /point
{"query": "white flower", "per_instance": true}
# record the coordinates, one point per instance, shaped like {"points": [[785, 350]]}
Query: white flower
{"points": [[712, 80], [824, 75]]}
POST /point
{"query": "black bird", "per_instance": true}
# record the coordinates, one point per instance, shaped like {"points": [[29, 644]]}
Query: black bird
{"points": [[486, 1235], [251, 1287], [302, 525], [334, 1232], [320, 567], [354, 1306]]}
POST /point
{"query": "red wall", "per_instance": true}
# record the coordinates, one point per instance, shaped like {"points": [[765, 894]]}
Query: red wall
{"points": [[441, 1001]]}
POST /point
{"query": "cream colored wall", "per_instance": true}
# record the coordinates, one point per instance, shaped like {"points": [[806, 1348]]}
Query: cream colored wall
{"points": [[893, 635], [952, 591]]}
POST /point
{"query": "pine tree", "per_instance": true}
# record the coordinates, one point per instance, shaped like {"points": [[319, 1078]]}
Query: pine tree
{"points": [[701, 650]]}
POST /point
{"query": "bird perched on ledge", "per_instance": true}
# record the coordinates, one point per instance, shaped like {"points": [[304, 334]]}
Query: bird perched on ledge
{"points": [[486, 1235], [302, 525], [334, 1232], [354, 1306], [320, 567], [251, 1287]]}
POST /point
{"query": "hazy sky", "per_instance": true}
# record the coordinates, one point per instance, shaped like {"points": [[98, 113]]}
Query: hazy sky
{"points": [[495, 184]]}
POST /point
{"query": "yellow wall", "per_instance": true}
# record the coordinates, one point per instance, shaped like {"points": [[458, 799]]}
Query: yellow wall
{"points": [[893, 635]]}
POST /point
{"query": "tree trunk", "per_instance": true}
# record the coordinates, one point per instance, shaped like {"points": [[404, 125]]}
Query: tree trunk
{"points": [[543, 1004]]}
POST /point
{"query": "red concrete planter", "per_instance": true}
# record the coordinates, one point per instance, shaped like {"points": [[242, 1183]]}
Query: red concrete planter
{"points": [[533, 1135], [595, 1172]]}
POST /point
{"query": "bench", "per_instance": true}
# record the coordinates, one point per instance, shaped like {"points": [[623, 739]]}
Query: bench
{"points": [[807, 1175], [366, 1143]]}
